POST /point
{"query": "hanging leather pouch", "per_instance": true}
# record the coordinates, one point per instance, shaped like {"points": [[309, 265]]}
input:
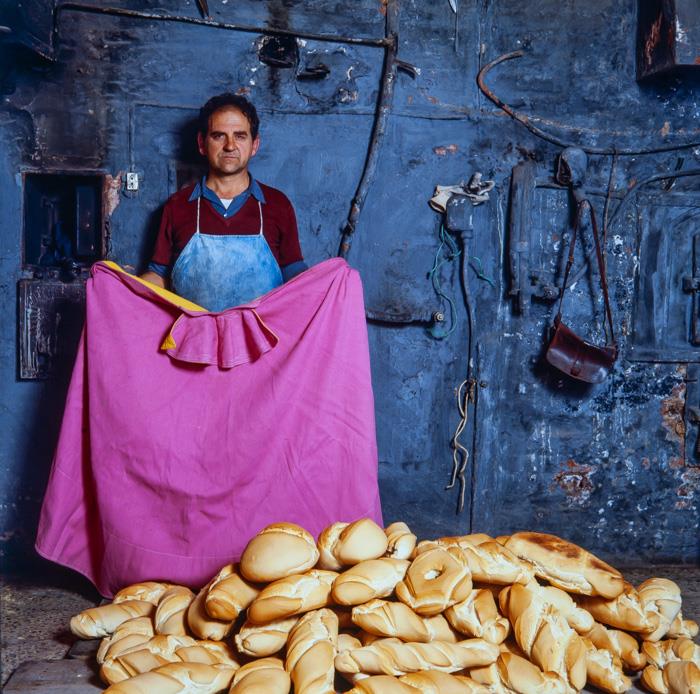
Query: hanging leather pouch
{"points": [[569, 352]]}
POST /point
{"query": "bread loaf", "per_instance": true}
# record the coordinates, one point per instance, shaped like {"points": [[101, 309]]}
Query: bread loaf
{"points": [[512, 673], [171, 612], [663, 597], [264, 676], [620, 644], [604, 670], [566, 565], [148, 591], [626, 611], [327, 541], [435, 682], [391, 619], [478, 616], [682, 627], [347, 544], [209, 653], [441, 630], [292, 595], [394, 657], [544, 635], [311, 650], [676, 677], [279, 550], [401, 541], [229, 594], [126, 636], [261, 640], [435, 580], [382, 684], [177, 678], [201, 624], [374, 578], [96, 622]]}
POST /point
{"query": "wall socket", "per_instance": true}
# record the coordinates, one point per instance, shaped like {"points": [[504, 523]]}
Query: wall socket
{"points": [[132, 181]]}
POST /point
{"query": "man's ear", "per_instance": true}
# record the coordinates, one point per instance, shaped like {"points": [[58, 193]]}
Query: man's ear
{"points": [[256, 146], [200, 144]]}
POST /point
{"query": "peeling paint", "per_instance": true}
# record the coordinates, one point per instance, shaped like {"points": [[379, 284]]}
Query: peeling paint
{"points": [[445, 150], [672, 417], [110, 193], [575, 481]]}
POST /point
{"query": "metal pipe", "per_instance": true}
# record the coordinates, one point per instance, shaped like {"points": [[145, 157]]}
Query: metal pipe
{"points": [[524, 120], [153, 16], [386, 94]]}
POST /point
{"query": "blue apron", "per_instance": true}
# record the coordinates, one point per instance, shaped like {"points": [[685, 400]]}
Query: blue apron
{"points": [[220, 271]]}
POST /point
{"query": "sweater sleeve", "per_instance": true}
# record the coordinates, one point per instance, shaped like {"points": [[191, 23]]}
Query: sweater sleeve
{"points": [[163, 251], [290, 250]]}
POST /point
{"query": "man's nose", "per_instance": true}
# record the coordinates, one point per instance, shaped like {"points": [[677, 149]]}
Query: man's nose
{"points": [[230, 144]]}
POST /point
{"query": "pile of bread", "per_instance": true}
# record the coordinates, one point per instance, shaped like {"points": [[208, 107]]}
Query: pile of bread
{"points": [[528, 613]]}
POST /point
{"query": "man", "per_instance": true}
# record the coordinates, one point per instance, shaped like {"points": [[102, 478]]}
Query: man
{"points": [[227, 239]]}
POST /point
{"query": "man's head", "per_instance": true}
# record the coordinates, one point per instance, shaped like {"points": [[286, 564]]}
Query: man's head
{"points": [[228, 133]]}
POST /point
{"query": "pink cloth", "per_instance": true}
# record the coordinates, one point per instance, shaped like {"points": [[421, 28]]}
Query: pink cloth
{"points": [[166, 467]]}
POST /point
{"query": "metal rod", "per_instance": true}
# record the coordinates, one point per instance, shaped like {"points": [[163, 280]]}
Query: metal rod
{"points": [[137, 14], [386, 94], [424, 319], [524, 120]]}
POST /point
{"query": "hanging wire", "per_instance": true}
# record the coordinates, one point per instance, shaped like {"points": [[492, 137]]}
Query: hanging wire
{"points": [[460, 454], [451, 253], [479, 269]]}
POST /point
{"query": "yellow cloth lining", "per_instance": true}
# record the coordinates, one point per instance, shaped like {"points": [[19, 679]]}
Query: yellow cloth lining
{"points": [[169, 296]]}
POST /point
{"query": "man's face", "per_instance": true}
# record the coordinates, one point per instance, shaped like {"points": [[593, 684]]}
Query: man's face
{"points": [[228, 145]]}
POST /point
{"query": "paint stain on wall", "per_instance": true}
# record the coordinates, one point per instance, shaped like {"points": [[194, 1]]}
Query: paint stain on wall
{"points": [[575, 481]]}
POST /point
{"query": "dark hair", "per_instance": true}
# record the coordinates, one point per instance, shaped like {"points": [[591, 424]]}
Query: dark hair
{"points": [[229, 100]]}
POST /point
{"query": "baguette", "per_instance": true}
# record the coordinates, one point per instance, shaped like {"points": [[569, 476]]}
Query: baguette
{"points": [[96, 622], [311, 649], [177, 678], [201, 624], [401, 541], [478, 616], [394, 657], [279, 550], [370, 579], [125, 637], [148, 591], [261, 640], [229, 594], [264, 676], [292, 595], [566, 565], [435, 580], [663, 597], [171, 612]]}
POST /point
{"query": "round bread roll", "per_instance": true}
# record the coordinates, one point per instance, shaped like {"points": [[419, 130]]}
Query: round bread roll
{"points": [[360, 541], [279, 550], [263, 676], [402, 541]]}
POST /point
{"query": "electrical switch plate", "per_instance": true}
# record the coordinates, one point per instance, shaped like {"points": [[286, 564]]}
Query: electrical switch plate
{"points": [[132, 181]]}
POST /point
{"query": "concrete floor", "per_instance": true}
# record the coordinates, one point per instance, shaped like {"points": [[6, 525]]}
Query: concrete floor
{"points": [[35, 612]]}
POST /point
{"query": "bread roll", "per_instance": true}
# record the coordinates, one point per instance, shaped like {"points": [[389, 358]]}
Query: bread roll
{"points": [[171, 612], [663, 597], [478, 616], [440, 630], [544, 635], [347, 544], [682, 627], [658, 653], [604, 670], [382, 684], [327, 541], [374, 578], [435, 580], [626, 611], [487, 560], [229, 594], [261, 640], [401, 541], [96, 622], [391, 619], [177, 678], [148, 591], [152, 654], [264, 676], [512, 673], [436, 682], [126, 636], [394, 657], [201, 624], [682, 677], [292, 595], [620, 644], [566, 565], [209, 653], [279, 550], [311, 649]]}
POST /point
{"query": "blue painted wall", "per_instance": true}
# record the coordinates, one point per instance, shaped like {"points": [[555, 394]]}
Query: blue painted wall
{"points": [[607, 466]]}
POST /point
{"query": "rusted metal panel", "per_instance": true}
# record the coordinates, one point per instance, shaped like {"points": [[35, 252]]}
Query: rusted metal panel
{"points": [[50, 320], [668, 37]]}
